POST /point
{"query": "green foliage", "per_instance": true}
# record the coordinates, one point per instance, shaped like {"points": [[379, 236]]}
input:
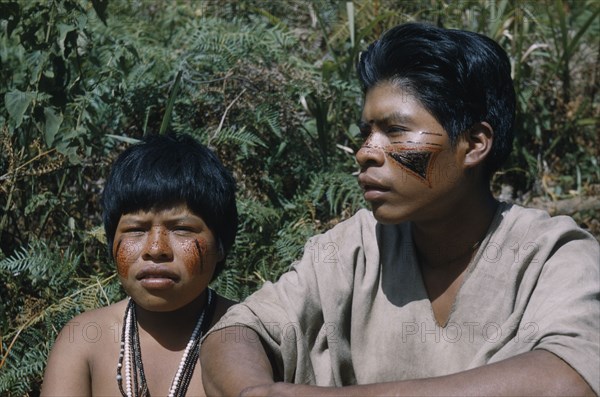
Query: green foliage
{"points": [[554, 56], [45, 289], [270, 86]]}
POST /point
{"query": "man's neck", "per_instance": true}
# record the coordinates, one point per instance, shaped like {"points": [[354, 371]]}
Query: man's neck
{"points": [[452, 241]]}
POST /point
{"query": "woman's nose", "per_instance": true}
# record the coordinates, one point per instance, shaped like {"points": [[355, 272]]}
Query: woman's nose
{"points": [[158, 246]]}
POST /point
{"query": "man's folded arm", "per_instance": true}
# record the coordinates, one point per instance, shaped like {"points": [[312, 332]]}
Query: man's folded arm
{"points": [[534, 373], [230, 365]]}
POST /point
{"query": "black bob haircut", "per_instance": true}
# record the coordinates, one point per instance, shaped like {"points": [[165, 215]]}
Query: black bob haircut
{"points": [[460, 77], [171, 169]]}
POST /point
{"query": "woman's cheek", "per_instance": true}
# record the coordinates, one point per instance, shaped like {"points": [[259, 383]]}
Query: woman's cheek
{"points": [[126, 254], [193, 255]]}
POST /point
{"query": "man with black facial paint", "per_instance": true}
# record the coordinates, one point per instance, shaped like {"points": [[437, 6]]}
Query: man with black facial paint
{"points": [[440, 289]]}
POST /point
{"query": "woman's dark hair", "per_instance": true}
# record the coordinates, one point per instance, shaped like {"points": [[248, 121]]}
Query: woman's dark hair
{"points": [[171, 169], [460, 77]]}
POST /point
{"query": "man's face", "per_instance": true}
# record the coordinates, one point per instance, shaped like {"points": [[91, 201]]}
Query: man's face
{"points": [[409, 171], [165, 258]]}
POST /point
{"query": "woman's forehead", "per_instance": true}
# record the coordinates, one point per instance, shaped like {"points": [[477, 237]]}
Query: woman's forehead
{"points": [[179, 209]]}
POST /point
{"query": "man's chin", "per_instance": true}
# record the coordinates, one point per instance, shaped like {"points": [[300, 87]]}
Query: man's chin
{"points": [[385, 217]]}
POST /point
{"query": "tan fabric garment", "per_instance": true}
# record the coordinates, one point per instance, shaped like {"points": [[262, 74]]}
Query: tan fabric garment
{"points": [[354, 309]]}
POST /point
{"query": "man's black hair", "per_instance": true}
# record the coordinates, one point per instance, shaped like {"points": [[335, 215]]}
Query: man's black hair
{"points": [[460, 77], [170, 169]]}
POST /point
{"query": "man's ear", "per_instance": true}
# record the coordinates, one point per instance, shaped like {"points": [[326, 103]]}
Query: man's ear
{"points": [[479, 139]]}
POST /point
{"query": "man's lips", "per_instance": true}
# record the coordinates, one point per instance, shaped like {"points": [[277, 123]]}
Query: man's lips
{"points": [[374, 190], [370, 184]]}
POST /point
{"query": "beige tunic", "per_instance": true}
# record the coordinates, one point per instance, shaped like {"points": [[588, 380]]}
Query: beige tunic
{"points": [[354, 309]]}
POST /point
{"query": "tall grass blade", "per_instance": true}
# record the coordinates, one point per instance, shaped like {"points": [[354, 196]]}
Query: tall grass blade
{"points": [[167, 117]]}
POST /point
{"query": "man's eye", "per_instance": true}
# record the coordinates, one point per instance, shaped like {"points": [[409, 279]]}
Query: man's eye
{"points": [[395, 129]]}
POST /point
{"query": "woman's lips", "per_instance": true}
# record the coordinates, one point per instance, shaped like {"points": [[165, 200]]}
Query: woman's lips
{"points": [[157, 277], [157, 283]]}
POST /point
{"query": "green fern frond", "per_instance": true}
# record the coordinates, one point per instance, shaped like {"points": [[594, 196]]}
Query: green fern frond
{"points": [[265, 114], [289, 247], [24, 364], [255, 214], [339, 190], [217, 41], [237, 137], [90, 296], [31, 340], [228, 283], [42, 265]]}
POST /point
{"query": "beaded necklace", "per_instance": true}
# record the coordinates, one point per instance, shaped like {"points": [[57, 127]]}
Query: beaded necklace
{"points": [[130, 356]]}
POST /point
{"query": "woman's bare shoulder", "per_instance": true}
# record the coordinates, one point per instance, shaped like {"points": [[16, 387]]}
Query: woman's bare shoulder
{"points": [[92, 325], [88, 338], [104, 313]]}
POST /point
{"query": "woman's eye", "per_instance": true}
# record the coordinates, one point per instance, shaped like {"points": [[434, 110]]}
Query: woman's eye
{"points": [[134, 231], [183, 229]]}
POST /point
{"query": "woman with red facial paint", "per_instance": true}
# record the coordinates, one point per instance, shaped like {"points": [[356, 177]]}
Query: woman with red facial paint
{"points": [[440, 289], [170, 218]]}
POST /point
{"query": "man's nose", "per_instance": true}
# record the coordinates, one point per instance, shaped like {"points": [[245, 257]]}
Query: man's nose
{"points": [[372, 152]]}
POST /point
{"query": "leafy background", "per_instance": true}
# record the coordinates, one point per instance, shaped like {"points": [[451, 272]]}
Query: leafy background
{"points": [[270, 86]]}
